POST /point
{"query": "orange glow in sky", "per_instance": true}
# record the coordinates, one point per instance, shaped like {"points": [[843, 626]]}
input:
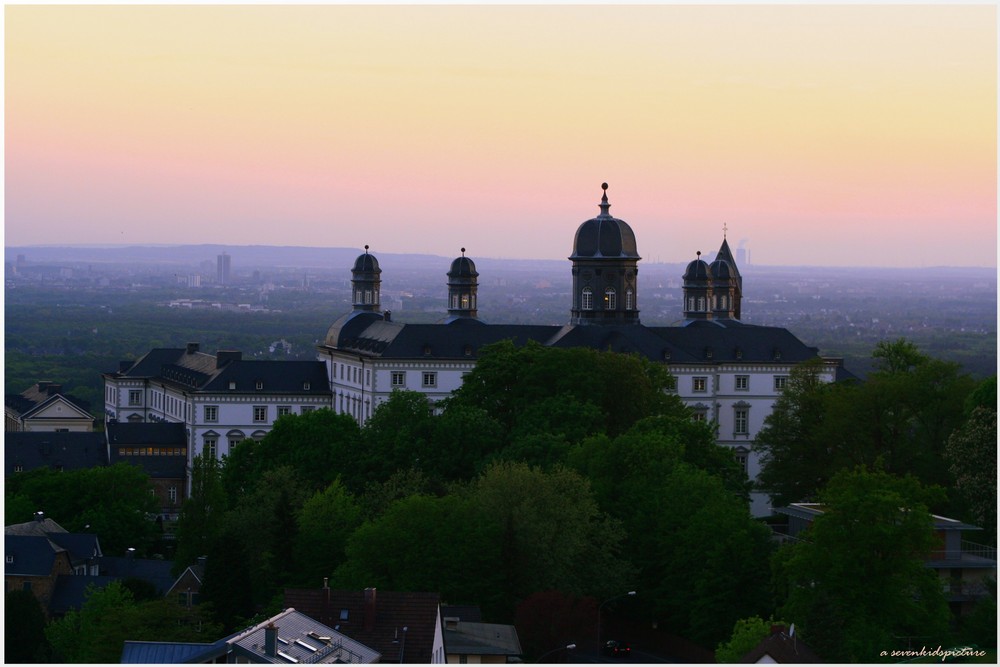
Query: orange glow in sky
{"points": [[835, 135]]}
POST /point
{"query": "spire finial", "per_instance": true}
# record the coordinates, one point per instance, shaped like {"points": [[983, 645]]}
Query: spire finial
{"points": [[463, 252], [725, 228], [366, 248], [698, 254], [604, 199]]}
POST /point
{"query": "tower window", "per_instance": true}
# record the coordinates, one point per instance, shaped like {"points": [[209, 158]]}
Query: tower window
{"points": [[368, 296], [454, 301], [587, 302], [609, 298], [465, 302], [701, 304], [628, 299]]}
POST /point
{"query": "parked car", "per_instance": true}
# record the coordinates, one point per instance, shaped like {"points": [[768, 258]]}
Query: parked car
{"points": [[617, 649]]}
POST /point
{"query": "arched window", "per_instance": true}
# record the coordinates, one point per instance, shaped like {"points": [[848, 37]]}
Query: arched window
{"points": [[690, 303], [368, 296], [609, 298], [628, 299], [465, 301], [454, 301], [701, 304], [588, 299]]}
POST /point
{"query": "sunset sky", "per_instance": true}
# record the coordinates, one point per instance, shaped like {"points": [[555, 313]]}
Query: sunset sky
{"points": [[837, 135]]}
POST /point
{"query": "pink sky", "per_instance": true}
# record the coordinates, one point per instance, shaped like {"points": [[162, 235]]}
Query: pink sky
{"points": [[829, 135]]}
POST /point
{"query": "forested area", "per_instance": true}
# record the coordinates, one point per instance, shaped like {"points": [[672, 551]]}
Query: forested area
{"points": [[555, 479]]}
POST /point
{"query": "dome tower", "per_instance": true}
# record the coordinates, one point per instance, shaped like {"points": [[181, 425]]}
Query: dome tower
{"points": [[366, 282], [605, 274], [727, 284], [463, 284], [698, 290]]}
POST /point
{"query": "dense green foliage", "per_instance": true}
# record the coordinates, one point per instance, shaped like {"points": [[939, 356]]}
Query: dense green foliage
{"points": [[24, 629], [747, 633], [858, 584], [899, 420], [112, 502]]}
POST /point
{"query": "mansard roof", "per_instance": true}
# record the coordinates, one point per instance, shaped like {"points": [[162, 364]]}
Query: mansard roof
{"points": [[200, 372], [74, 450], [146, 433]]}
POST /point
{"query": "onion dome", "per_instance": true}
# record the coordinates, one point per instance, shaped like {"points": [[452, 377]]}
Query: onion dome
{"points": [[604, 236], [463, 267]]}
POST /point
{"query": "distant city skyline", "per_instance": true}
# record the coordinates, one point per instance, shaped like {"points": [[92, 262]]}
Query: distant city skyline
{"points": [[824, 135]]}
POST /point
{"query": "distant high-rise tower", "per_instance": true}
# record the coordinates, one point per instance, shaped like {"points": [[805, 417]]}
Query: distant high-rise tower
{"points": [[222, 269]]}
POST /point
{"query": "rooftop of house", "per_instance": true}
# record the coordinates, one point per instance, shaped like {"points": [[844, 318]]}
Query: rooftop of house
{"points": [[781, 647], [32, 398], [74, 450], [471, 638], [399, 625], [809, 511], [299, 638]]}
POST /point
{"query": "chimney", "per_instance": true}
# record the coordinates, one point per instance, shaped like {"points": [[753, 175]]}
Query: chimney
{"points": [[223, 357], [39, 516], [369, 623], [387, 316], [54, 389], [193, 347], [271, 640]]}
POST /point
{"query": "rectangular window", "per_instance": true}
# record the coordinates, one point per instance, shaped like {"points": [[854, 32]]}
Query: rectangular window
{"points": [[699, 384], [211, 413], [780, 382], [284, 410], [135, 397], [430, 379], [740, 421], [307, 409], [259, 414], [699, 415], [172, 494], [210, 448], [742, 460], [399, 378], [742, 382]]}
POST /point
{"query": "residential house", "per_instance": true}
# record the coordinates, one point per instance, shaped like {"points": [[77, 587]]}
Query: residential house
{"points": [[401, 626], [964, 567], [288, 638], [471, 642], [187, 588], [43, 407], [40, 553]]}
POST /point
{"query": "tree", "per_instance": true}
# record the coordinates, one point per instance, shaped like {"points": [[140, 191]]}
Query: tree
{"points": [[747, 633], [24, 629], [201, 514], [795, 462], [549, 619], [398, 436], [326, 522], [858, 582], [972, 459]]}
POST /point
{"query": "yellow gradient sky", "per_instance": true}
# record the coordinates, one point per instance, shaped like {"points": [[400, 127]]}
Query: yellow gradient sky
{"points": [[828, 135]]}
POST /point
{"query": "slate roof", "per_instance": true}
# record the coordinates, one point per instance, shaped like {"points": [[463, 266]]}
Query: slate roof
{"points": [[394, 610], [200, 372], [40, 449], [169, 653], [70, 591], [698, 341], [36, 396], [152, 570], [33, 555], [80, 546], [481, 639], [146, 433]]}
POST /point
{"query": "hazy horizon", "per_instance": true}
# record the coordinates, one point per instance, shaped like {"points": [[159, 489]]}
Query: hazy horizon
{"points": [[828, 136]]}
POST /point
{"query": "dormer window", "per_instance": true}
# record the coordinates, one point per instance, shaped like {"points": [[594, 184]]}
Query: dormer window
{"points": [[259, 385], [305, 386], [232, 384]]}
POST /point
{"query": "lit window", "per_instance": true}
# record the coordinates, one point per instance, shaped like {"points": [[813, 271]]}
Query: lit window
{"points": [[135, 397], [780, 382], [588, 299], [430, 379], [211, 413], [699, 384], [609, 298], [259, 413], [742, 382], [466, 304], [399, 378]]}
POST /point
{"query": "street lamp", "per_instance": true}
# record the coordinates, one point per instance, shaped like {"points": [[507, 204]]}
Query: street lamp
{"points": [[600, 607], [567, 647]]}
